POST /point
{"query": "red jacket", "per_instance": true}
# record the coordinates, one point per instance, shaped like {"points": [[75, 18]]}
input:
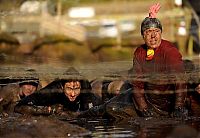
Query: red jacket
{"points": [[164, 74]]}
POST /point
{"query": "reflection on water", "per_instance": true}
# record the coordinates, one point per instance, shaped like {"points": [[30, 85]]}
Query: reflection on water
{"points": [[142, 128], [104, 128], [23, 126], [113, 131]]}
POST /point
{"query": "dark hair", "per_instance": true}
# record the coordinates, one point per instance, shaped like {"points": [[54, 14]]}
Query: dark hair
{"points": [[33, 82], [85, 84]]}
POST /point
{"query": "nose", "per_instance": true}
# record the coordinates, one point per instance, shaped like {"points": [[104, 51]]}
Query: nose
{"points": [[73, 94], [153, 34]]}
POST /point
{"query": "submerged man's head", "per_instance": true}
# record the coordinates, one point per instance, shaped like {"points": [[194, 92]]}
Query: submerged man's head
{"points": [[28, 87]]}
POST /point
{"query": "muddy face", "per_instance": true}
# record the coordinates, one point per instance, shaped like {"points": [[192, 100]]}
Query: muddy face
{"points": [[198, 89], [72, 90], [152, 37], [27, 89]]}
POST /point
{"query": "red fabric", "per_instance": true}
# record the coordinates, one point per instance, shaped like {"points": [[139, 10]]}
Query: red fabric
{"points": [[160, 72], [159, 75]]}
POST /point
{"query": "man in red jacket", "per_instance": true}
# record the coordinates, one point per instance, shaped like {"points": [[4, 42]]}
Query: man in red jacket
{"points": [[158, 87]]}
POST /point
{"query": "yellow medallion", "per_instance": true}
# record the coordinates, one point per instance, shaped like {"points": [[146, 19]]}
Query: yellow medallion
{"points": [[150, 54]]}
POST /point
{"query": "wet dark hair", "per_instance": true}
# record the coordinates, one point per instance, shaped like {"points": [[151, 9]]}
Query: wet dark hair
{"points": [[150, 23], [85, 84], [29, 82]]}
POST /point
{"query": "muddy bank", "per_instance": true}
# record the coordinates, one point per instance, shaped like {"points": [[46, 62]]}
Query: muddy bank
{"points": [[21, 126]]}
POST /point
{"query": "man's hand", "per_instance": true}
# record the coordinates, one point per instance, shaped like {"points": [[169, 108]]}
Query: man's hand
{"points": [[154, 10], [148, 112], [55, 109]]}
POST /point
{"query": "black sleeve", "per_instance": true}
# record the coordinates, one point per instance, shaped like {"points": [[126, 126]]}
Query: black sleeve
{"points": [[37, 103], [89, 100], [32, 110], [96, 100]]}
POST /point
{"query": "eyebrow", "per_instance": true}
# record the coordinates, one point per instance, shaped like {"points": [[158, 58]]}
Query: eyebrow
{"points": [[73, 87], [153, 29]]}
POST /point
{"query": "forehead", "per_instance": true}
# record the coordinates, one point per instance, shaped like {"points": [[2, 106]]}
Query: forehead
{"points": [[73, 84], [152, 29]]}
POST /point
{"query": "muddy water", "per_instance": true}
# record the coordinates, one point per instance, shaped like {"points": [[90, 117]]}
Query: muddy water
{"points": [[29, 126], [22, 126], [144, 128]]}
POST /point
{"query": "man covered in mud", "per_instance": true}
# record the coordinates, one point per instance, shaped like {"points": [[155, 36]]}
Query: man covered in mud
{"points": [[66, 97], [159, 87], [13, 90], [107, 89]]}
